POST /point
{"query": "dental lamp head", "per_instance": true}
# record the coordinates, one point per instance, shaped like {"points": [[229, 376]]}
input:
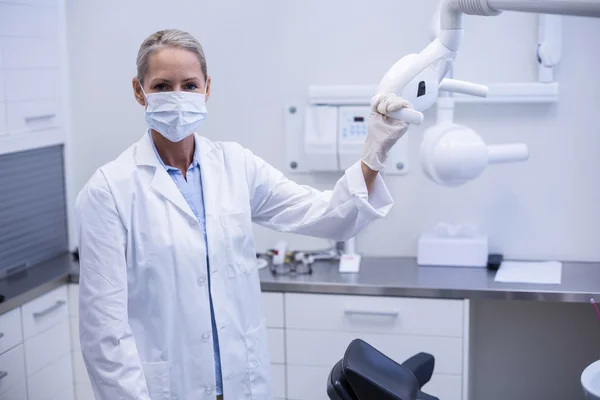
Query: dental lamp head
{"points": [[452, 154]]}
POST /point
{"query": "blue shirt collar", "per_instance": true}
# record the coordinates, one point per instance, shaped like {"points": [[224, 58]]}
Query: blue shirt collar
{"points": [[195, 161]]}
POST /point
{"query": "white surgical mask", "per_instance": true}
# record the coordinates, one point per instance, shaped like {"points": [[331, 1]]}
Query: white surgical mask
{"points": [[175, 115]]}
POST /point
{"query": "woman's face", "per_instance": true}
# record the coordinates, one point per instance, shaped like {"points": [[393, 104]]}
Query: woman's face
{"points": [[172, 70]]}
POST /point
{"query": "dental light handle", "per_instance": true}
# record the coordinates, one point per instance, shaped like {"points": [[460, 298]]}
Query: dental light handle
{"points": [[413, 117], [507, 153], [457, 86]]}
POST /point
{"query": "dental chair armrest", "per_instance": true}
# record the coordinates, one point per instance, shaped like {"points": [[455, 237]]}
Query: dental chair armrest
{"points": [[421, 365]]}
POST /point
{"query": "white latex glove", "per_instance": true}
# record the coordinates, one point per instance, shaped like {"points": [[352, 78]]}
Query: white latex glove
{"points": [[383, 132]]}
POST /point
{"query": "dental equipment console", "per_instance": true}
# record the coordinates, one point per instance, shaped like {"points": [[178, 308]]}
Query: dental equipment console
{"points": [[364, 373]]}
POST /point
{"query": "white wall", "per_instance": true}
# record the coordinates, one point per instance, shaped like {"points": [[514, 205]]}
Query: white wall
{"points": [[264, 53]]}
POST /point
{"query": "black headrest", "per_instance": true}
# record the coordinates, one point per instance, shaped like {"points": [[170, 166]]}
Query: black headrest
{"points": [[373, 375]]}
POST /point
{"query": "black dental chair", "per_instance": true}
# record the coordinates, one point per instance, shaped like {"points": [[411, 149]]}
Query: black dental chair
{"points": [[367, 374]]}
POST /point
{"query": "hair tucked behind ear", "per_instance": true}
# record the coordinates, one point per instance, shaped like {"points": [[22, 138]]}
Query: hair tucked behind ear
{"points": [[168, 38]]}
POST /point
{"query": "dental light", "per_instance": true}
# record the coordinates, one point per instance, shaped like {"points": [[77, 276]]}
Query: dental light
{"points": [[453, 154]]}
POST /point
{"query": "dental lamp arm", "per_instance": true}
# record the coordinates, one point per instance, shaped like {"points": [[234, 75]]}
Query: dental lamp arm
{"points": [[418, 77]]}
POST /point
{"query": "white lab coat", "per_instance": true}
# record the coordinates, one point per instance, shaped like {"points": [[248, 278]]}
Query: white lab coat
{"points": [[144, 308]]}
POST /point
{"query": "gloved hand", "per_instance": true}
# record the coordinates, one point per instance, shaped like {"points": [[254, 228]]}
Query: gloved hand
{"points": [[383, 132]]}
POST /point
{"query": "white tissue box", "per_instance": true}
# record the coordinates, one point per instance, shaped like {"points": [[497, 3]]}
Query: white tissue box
{"points": [[453, 250]]}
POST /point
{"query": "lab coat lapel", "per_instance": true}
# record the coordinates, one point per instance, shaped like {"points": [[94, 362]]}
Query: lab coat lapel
{"points": [[210, 169], [161, 182]]}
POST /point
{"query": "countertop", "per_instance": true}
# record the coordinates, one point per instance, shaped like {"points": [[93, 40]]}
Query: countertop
{"points": [[377, 277]]}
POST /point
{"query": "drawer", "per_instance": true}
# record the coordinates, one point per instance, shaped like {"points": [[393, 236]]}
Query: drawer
{"points": [[11, 333], [73, 299], [276, 345], [84, 392], [12, 368], [79, 370], [324, 349], [28, 21], [27, 84], [52, 380], [278, 381], [375, 314], [44, 312], [3, 122], [18, 392], [273, 308], [310, 383], [47, 347], [31, 53], [30, 116]]}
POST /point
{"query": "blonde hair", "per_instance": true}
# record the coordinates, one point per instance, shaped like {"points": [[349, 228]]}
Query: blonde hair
{"points": [[168, 38]]}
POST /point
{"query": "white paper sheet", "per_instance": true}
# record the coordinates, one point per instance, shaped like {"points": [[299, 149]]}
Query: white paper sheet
{"points": [[544, 272]]}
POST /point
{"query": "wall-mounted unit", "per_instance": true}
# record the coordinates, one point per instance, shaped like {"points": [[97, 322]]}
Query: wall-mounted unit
{"points": [[329, 136]]}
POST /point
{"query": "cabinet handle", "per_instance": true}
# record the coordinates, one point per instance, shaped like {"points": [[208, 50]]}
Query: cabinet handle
{"points": [[58, 304], [39, 117], [3, 374], [391, 313]]}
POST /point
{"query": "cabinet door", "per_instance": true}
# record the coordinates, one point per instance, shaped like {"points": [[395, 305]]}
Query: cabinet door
{"points": [[47, 347], [325, 348], [12, 369], [52, 380], [34, 115], [278, 381], [26, 21], [18, 392], [10, 330], [45, 312], [20, 52], [273, 309], [397, 315]]}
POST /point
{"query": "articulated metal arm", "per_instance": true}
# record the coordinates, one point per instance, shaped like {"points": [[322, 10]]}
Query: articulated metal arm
{"points": [[419, 77]]}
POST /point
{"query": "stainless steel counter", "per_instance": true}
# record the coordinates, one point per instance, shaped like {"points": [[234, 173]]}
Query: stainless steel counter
{"points": [[403, 277], [378, 277]]}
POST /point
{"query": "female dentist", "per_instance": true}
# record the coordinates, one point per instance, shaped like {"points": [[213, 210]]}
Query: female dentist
{"points": [[170, 300]]}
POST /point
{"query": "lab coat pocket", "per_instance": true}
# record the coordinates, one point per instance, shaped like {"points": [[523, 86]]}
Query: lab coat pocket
{"points": [[239, 242], [259, 365], [157, 380]]}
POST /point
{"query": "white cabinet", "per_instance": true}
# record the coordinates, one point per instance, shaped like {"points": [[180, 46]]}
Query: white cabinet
{"points": [[308, 334], [11, 333], [12, 369], [83, 386], [47, 348], [318, 329], [392, 315], [45, 312], [25, 20], [12, 359], [18, 392], [31, 69], [51, 380]]}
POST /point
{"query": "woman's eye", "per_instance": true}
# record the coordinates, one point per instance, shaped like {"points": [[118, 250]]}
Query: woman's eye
{"points": [[160, 87], [191, 86]]}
